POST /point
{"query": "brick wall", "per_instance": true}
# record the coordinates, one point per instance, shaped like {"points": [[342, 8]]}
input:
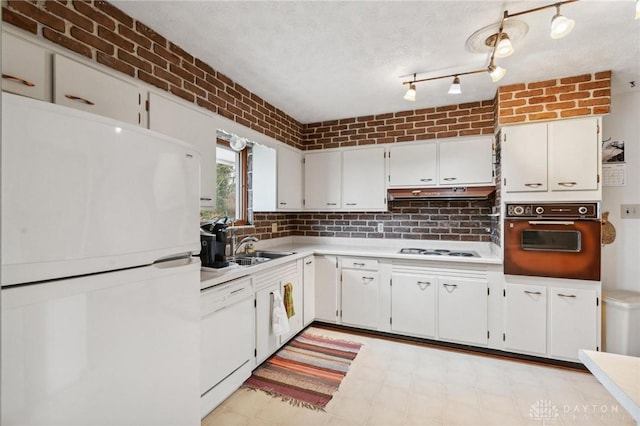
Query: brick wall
{"points": [[105, 34], [587, 94], [474, 118]]}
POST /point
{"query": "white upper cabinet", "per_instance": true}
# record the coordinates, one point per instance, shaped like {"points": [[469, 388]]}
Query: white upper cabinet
{"points": [[466, 161], [560, 156], [81, 87], [413, 165], [524, 157], [363, 186], [25, 70], [323, 180], [173, 119], [263, 178], [573, 154], [289, 179]]}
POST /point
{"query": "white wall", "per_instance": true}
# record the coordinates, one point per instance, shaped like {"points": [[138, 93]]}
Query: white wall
{"points": [[621, 260]]}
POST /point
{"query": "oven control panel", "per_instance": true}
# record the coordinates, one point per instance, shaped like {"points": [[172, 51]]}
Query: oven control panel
{"points": [[555, 210]]}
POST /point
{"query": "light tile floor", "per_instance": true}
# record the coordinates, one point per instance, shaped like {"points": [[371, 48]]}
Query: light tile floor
{"points": [[396, 383]]}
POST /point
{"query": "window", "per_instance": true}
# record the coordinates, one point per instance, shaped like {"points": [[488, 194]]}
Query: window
{"points": [[231, 184]]}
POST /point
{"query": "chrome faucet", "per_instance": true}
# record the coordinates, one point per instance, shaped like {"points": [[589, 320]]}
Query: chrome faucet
{"points": [[249, 239]]}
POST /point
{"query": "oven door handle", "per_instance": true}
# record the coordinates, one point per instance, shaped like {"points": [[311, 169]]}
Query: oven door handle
{"points": [[551, 222]]}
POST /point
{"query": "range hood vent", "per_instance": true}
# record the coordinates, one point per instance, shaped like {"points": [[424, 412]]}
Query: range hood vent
{"points": [[444, 194]]}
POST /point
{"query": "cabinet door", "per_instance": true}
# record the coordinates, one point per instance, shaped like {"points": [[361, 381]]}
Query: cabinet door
{"points": [[24, 68], [326, 285], [462, 310], [573, 154], [363, 179], [308, 274], [466, 161], [295, 321], [413, 304], [263, 178], [524, 158], [412, 165], [173, 119], [322, 180], [266, 341], [360, 298], [526, 318], [289, 179], [573, 322], [78, 86]]}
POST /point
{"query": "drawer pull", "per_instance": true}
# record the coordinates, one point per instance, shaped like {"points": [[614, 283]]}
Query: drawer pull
{"points": [[423, 284], [18, 79], [568, 184], [367, 280], [416, 192], [533, 185], [309, 262], [205, 199], [450, 178], [238, 290], [331, 204], [79, 99], [426, 180], [566, 295], [450, 287], [352, 204], [282, 203], [533, 292], [358, 264]]}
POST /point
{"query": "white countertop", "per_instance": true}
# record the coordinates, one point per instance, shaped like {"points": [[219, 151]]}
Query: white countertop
{"points": [[619, 374], [361, 247]]}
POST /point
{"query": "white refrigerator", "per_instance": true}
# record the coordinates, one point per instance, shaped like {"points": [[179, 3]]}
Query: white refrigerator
{"points": [[100, 292]]}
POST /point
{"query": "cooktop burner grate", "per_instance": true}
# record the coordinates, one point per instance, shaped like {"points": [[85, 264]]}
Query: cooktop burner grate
{"points": [[438, 252]]}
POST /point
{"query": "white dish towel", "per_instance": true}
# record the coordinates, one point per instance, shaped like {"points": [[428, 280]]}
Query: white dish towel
{"points": [[279, 320]]}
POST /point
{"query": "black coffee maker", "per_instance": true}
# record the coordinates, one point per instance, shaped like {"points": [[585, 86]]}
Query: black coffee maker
{"points": [[213, 243]]}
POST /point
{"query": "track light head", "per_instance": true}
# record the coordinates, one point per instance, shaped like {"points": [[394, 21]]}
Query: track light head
{"points": [[560, 25], [455, 88], [411, 93], [496, 72]]}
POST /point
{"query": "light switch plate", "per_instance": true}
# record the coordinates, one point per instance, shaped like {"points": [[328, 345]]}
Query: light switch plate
{"points": [[381, 227], [630, 211], [274, 227]]}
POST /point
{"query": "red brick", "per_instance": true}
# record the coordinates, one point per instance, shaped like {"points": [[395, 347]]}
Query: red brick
{"points": [[560, 89], [470, 132], [602, 93], [576, 79], [187, 76], [93, 14], [205, 67], [543, 116], [513, 119], [602, 109], [513, 103], [447, 134], [594, 102], [602, 84], [40, 15], [144, 76], [528, 109], [226, 80], [134, 60], [92, 40], [150, 34], [116, 39], [540, 84], [182, 93], [574, 95], [69, 15], [404, 113], [436, 116], [447, 108], [425, 111], [512, 88], [114, 12], [560, 105], [19, 21], [542, 100], [603, 75], [152, 57], [529, 93], [575, 112], [470, 105], [115, 63], [161, 51], [129, 34], [66, 42]]}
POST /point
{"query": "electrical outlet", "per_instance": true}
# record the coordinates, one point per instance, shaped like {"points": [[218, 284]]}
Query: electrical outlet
{"points": [[274, 227], [381, 227], [630, 211]]}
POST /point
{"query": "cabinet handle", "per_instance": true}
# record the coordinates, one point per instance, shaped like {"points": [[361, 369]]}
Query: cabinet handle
{"points": [[532, 292], [568, 184], [416, 192], [449, 178], [309, 262], [566, 295], [358, 264], [331, 204], [367, 280], [450, 287], [79, 99], [423, 284], [352, 204], [533, 185], [205, 199], [426, 180], [282, 203], [18, 79]]}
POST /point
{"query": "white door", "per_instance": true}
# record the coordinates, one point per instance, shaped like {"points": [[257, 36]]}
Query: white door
{"points": [[462, 310], [25, 68], [413, 165], [289, 179], [524, 158], [466, 161], [363, 179], [573, 322], [171, 118], [326, 288], [81, 87], [266, 341], [573, 154], [525, 318], [360, 298], [413, 304], [323, 180], [309, 308]]}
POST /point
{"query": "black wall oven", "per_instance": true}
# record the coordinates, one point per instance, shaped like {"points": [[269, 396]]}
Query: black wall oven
{"points": [[560, 240]]}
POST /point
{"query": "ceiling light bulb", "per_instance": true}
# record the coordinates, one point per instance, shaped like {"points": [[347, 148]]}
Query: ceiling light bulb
{"points": [[455, 88], [411, 93], [496, 72], [505, 48], [237, 143], [637, 9], [560, 25]]}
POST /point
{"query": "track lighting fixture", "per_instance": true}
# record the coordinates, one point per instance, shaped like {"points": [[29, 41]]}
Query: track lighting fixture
{"points": [[560, 24], [455, 88], [637, 9], [501, 47]]}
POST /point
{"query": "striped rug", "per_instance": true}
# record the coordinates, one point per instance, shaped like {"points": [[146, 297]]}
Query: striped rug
{"points": [[307, 371]]}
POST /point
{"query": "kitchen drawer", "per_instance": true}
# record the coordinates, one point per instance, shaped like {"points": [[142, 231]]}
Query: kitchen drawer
{"points": [[356, 263]]}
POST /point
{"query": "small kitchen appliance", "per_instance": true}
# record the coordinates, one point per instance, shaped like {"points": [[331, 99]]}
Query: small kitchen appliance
{"points": [[213, 242]]}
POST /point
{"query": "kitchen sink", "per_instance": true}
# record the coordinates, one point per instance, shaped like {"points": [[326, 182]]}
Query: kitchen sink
{"points": [[258, 256]]}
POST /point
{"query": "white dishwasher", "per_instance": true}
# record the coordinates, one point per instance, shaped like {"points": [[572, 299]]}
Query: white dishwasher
{"points": [[227, 340]]}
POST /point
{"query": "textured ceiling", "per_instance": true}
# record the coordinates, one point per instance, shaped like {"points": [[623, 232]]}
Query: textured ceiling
{"points": [[323, 60]]}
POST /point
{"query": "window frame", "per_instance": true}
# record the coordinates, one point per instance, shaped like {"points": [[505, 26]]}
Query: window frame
{"points": [[243, 218]]}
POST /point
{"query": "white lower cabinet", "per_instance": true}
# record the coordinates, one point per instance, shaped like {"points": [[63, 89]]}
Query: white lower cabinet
{"points": [[309, 293], [413, 304], [462, 310], [525, 317], [266, 340], [360, 298], [573, 322], [326, 288]]}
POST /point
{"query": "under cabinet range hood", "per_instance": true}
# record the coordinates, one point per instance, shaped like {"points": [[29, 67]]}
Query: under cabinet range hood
{"points": [[444, 194]]}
